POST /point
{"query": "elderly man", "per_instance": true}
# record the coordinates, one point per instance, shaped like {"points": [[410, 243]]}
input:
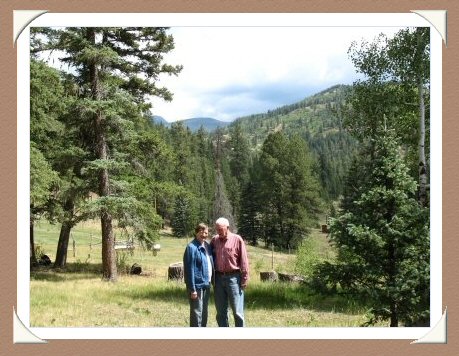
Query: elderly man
{"points": [[231, 273]]}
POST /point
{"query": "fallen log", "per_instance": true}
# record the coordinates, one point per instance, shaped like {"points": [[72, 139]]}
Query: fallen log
{"points": [[285, 277], [268, 276]]}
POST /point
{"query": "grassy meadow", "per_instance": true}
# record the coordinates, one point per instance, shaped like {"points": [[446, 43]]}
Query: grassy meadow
{"points": [[77, 297]]}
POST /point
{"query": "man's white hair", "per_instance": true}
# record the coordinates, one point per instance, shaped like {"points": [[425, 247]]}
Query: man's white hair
{"points": [[222, 222]]}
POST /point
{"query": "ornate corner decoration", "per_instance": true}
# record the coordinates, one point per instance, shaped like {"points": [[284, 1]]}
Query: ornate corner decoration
{"points": [[438, 19], [438, 334], [22, 335], [23, 18]]}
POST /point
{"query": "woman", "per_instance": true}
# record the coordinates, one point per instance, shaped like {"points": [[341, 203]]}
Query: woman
{"points": [[198, 266]]}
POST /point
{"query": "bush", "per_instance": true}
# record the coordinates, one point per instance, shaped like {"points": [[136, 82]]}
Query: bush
{"points": [[39, 252], [122, 263], [307, 258]]}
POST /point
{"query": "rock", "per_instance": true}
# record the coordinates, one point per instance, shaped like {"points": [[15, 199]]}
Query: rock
{"points": [[135, 269], [284, 277], [45, 260], [268, 276]]}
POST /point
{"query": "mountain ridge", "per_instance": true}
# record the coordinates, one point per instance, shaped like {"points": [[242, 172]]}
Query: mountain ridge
{"points": [[194, 123], [306, 107]]}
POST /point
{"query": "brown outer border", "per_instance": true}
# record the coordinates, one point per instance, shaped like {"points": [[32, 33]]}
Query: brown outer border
{"points": [[221, 347]]}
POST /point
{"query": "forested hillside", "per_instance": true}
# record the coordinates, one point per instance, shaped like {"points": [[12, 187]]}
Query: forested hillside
{"points": [[318, 120]]}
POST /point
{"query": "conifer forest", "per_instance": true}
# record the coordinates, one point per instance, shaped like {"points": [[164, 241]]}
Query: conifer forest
{"points": [[354, 157]]}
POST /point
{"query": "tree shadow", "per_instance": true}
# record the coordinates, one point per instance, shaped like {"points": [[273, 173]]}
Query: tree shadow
{"points": [[173, 292], [71, 272], [275, 296], [288, 296]]}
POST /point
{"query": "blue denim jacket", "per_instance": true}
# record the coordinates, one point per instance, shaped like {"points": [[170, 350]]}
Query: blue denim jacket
{"points": [[195, 265]]}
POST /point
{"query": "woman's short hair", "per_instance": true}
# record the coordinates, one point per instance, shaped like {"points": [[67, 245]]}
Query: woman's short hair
{"points": [[200, 227]]}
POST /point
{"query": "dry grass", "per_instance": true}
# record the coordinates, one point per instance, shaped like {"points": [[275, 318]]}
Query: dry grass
{"points": [[78, 297]]}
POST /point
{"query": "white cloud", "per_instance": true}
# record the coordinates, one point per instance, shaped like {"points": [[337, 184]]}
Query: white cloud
{"points": [[226, 69]]}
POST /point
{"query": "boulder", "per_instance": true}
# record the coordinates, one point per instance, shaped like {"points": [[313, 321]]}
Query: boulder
{"points": [[268, 276], [135, 269], [285, 277], [45, 260]]}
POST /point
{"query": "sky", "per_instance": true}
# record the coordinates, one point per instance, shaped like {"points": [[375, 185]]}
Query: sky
{"points": [[230, 72]]}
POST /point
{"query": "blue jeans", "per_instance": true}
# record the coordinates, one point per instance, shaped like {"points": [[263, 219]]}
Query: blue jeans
{"points": [[228, 289], [198, 308]]}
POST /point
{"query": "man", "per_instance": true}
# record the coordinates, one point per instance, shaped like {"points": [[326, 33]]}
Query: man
{"points": [[197, 267], [231, 273]]}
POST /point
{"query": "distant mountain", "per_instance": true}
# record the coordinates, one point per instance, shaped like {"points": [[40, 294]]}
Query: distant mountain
{"points": [[160, 120], [314, 115], [208, 123]]}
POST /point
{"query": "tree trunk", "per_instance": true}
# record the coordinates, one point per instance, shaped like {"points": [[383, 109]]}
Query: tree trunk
{"points": [[422, 156], [64, 236], [62, 245], [393, 315], [109, 271], [391, 282], [175, 271], [108, 238], [108, 249], [33, 258]]}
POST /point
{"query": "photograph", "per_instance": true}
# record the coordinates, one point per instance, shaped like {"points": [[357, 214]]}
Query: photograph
{"points": [[268, 175]]}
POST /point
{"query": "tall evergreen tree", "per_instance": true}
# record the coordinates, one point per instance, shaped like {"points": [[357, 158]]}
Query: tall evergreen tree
{"points": [[47, 104], [53, 130], [115, 69], [289, 191], [42, 180], [239, 163], [205, 175], [184, 219], [382, 237], [221, 204], [250, 217]]}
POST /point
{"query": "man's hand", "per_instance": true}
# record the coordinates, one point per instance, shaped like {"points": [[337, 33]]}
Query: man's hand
{"points": [[194, 295]]}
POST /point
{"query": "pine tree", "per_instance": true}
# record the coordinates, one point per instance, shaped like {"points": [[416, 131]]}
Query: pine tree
{"points": [[47, 104], [382, 237], [289, 191], [184, 218], [115, 69], [239, 163], [250, 218]]}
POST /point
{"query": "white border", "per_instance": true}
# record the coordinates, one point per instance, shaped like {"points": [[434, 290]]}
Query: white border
{"points": [[227, 19]]}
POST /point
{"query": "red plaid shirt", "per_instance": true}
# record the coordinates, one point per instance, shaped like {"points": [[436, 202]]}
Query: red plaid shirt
{"points": [[230, 254]]}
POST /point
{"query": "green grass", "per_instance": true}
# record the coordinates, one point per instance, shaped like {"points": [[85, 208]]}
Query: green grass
{"points": [[77, 297]]}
